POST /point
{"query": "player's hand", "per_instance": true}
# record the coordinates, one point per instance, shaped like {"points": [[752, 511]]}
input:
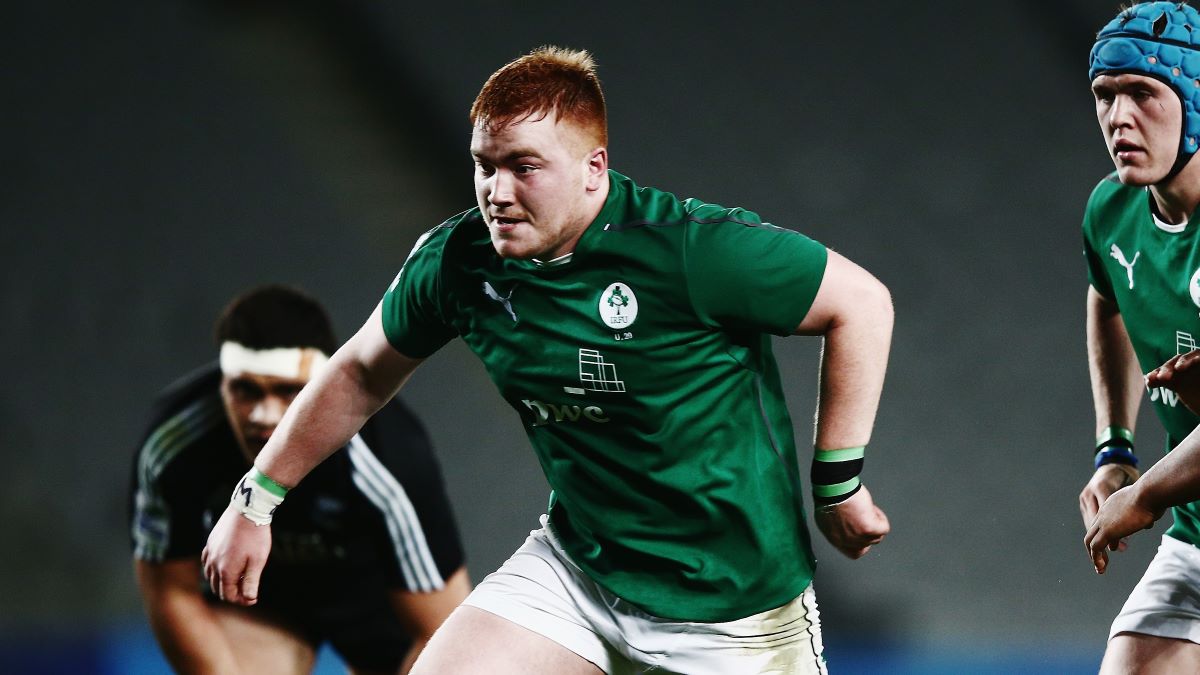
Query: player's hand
{"points": [[1107, 480], [235, 556], [853, 526], [1121, 515], [1181, 375]]}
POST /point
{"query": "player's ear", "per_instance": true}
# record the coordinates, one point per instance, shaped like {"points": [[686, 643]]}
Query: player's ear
{"points": [[597, 168]]}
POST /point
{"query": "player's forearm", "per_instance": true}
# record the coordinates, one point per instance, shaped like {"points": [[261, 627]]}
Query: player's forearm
{"points": [[360, 377], [323, 417], [1116, 379], [853, 363], [1173, 480]]}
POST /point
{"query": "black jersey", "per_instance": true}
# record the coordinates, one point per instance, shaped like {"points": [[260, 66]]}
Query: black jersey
{"points": [[374, 516]]}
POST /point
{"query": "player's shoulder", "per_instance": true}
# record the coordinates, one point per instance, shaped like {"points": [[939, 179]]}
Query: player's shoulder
{"points": [[698, 222], [1110, 192], [648, 208], [637, 208], [1110, 203], [184, 414], [451, 239], [433, 241], [195, 394]]}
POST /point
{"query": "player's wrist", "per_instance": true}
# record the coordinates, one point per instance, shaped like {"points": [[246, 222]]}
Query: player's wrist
{"points": [[257, 496], [1145, 498], [835, 475], [1114, 445]]}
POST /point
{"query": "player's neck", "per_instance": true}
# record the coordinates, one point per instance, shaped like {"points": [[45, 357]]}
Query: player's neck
{"points": [[595, 204], [1176, 199]]}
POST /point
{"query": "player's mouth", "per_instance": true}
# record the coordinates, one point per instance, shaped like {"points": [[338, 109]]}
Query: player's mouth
{"points": [[505, 224], [258, 438], [1125, 150]]}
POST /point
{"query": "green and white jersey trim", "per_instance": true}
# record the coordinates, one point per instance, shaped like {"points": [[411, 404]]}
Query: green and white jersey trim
{"points": [[151, 521]]}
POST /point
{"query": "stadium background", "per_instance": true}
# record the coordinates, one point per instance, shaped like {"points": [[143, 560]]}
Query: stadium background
{"points": [[162, 155]]}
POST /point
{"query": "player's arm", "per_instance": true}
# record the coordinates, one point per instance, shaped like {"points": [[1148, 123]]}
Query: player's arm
{"points": [[422, 613], [853, 311], [1173, 480], [182, 621], [1117, 387], [360, 377]]}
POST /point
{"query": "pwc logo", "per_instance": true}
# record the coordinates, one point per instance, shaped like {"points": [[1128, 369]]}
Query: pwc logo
{"points": [[549, 413]]}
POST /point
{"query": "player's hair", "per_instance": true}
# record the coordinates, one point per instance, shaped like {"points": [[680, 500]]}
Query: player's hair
{"points": [[547, 80], [274, 315]]}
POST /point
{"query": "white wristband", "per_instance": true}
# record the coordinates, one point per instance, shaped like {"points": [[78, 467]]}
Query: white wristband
{"points": [[257, 496]]}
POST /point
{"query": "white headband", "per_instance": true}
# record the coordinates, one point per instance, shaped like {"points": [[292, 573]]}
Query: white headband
{"points": [[297, 363]]}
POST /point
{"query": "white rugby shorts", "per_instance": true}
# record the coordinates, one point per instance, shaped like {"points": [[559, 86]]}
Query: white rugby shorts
{"points": [[540, 589], [1166, 602]]}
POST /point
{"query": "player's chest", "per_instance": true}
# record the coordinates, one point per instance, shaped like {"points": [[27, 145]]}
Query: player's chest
{"points": [[582, 333], [1156, 282]]}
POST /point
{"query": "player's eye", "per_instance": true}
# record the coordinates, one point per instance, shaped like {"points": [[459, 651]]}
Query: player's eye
{"points": [[1142, 94], [288, 392], [245, 390]]}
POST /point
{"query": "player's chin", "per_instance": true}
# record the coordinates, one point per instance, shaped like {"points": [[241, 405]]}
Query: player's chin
{"points": [[1138, 176], [515, 249]]}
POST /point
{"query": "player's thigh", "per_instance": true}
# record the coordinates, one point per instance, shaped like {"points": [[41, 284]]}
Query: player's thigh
{"points": [[473, 640], [1135, 653], [262, 644]]}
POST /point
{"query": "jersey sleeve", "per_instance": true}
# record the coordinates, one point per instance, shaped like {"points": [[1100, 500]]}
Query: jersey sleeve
{"points": [[397, 472], [413, 320], [743, 273], [1097, 276]]}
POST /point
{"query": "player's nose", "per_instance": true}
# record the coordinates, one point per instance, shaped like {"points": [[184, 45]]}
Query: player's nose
{"points": [[501, 193], [268, 411], [1120, 114]]}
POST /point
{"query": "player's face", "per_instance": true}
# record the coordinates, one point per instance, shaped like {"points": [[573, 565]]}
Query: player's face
{"points": [[1142, 120], [532, 181], [254, 404]]}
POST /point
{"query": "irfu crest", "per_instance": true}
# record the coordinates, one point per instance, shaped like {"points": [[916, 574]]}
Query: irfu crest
{"points": [[618, 306]]}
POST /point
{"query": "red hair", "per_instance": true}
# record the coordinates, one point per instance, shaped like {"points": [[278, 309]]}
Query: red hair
{"points": [[547, 80]]}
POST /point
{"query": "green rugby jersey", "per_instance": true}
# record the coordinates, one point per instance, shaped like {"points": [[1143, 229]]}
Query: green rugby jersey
{"points": [[1152, 271], [642, 370]]}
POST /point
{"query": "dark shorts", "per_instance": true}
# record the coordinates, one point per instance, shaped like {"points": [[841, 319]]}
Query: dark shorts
{"points": [[365, 633]]}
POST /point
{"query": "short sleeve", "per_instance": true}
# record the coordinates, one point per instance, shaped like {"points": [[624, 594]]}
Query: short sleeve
{"points": [[412, 318], [1097, 276], [743, 273]]}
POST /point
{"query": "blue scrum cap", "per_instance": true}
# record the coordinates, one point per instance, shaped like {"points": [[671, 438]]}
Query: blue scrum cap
{"points": [[1159, 40]]}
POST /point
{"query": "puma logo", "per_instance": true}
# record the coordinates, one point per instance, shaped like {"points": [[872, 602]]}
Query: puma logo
{"points": [[505, 301], [1117, 255]]}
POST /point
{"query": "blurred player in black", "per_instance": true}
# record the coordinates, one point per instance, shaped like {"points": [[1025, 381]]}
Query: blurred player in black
{"points": [[367, 555]]}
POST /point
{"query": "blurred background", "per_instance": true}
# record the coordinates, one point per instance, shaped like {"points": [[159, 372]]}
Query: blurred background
{"points": [[161, 156]]}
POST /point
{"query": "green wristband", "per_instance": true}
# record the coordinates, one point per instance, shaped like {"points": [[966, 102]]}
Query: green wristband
{"points": [[269, 484], [1112, 433], [835, 474]]}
